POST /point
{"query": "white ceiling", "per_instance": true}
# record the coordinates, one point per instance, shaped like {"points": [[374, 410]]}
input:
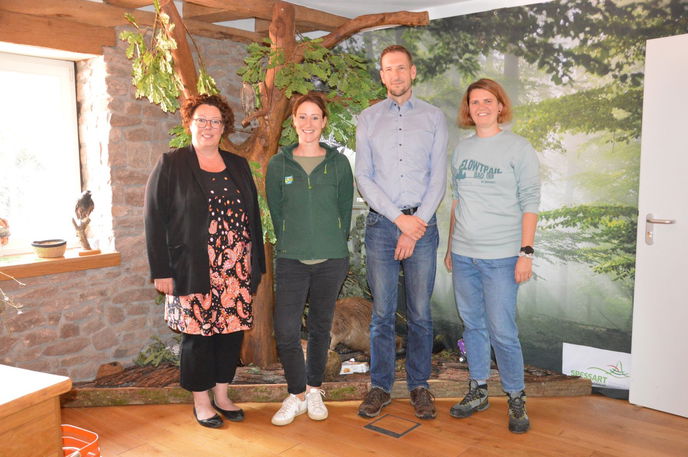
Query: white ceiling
{"points": [[351, 8], [436, 8]]}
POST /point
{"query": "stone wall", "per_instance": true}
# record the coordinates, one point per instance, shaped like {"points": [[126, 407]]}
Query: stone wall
{"points": [[73, 322]]}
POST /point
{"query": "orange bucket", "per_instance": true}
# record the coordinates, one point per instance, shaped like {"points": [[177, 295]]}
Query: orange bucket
{"points": [[77, 441]]}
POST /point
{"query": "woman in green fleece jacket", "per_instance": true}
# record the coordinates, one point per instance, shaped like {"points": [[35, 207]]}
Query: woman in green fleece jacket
{"points": [[310, 193]]}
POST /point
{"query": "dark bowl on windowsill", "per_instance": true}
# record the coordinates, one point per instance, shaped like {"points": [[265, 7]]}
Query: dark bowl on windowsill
{"points": [[48, 249]]}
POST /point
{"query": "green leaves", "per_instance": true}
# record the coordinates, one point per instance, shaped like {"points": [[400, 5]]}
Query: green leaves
{"points": [[206, 84], [356, 282], [265, 219], [289, 135], [158, 352], [611, 108], [180, 137], [607, 38], [343, 77], [152, 68], [260, 57], [602, 236]]}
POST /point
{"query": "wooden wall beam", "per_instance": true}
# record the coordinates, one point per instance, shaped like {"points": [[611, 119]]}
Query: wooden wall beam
{"points": [[73, 10], [96, 14], [55, 33]]}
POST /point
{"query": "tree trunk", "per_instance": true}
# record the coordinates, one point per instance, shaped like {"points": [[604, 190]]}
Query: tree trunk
{"points": [[512, 78], [183, 59], [259, 343]]}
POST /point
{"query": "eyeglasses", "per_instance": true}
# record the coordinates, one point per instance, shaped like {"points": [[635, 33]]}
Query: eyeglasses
{"points": [[214, 123]]}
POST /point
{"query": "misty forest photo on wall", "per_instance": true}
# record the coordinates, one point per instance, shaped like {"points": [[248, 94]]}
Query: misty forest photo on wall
{"points": [[574, 71]]}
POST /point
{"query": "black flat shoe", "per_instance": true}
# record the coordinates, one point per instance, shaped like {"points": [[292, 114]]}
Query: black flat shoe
{"points": [[213, 422], [234, 416]]}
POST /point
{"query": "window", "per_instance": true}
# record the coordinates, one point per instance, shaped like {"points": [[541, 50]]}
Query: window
{"points": [[39, 150]]}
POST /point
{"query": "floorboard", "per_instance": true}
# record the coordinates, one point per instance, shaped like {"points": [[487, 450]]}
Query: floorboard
{"points": [[587, 426]]}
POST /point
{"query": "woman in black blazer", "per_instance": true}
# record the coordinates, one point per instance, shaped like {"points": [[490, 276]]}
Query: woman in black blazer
{"points": [[205, 250]]}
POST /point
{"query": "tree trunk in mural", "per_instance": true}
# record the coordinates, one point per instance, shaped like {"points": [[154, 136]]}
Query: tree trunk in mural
{"points": [[259, 346], [512, 78]]}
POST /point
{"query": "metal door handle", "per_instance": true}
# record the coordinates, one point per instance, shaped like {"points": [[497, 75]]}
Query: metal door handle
{"points": [[650, 222], [659, 221]]}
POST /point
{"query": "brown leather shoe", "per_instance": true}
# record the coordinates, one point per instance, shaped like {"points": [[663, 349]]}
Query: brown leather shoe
{"points": [[423, 402], [374, 401]]}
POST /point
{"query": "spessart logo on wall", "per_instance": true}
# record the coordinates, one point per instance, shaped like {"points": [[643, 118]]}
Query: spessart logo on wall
{"points": [[593, 364], [599, 375]]}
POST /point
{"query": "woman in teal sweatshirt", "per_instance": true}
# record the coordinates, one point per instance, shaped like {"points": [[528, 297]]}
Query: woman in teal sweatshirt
{"points": [[496, 184], [310, 193]]}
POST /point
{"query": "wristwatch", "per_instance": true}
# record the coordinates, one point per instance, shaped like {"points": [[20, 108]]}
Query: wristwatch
{"points": [[526, 251]]}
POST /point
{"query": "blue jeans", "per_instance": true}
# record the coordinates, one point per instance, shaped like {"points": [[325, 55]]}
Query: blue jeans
{"points": [[383, 277], [485, 291]]}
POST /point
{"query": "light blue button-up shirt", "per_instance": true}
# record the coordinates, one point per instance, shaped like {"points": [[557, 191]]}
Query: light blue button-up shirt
{"points": [[401, 157]]}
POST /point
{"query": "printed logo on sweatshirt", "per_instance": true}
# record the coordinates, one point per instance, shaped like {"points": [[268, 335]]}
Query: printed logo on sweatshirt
{"points": [[472, 169], [288, 179]]}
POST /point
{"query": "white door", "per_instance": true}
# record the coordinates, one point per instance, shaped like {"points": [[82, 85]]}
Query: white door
{"points": [[659, 377]]}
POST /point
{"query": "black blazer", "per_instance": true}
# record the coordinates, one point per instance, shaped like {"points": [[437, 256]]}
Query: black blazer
{"points": [[176, 220]]}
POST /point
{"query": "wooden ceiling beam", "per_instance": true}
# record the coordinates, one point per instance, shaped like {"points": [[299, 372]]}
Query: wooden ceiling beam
{"points": [[262, 26], [55, 33], [129, 3], [204, 13], [209, 30], [306, 18], [90, 13]]}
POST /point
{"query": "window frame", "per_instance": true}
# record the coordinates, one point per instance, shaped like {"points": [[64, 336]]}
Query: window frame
{"points": [[64, 73]]}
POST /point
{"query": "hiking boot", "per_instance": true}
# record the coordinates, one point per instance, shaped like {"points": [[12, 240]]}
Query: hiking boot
{"points": [[518, 417], [316, 408], [422, 401], [374, 401], [474, 401], [292, 406]]}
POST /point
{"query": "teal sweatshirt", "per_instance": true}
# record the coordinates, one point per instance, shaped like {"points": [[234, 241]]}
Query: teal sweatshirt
{"points": [[311, 213], [495, 180]]}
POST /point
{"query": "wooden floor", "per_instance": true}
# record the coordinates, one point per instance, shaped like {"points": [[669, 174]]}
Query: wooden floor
{"points": [[591, 426]]}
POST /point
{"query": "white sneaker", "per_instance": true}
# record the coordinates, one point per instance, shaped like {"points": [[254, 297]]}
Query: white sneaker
{"points": [[292, 406], [316, 408]]}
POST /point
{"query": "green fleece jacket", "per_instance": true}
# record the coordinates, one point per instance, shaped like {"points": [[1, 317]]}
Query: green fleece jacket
{"points": [[311, 213]]}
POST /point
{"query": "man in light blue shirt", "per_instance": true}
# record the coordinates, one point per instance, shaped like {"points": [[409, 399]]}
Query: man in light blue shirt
{"points": [[401, 166]]}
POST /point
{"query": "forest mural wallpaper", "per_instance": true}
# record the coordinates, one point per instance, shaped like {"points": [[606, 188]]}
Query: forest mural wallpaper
{"points": [[574, 71]]}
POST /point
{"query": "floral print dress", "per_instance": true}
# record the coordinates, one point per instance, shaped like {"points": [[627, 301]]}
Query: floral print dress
{"points": [[227, 307]]}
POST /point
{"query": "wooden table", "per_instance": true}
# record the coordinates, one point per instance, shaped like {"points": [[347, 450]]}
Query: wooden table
{"points": [[30, 412]]}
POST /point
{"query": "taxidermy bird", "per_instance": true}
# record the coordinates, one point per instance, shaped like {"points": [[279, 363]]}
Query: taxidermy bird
{"points": [[4, 232], [84, 205], [248, 99]]}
